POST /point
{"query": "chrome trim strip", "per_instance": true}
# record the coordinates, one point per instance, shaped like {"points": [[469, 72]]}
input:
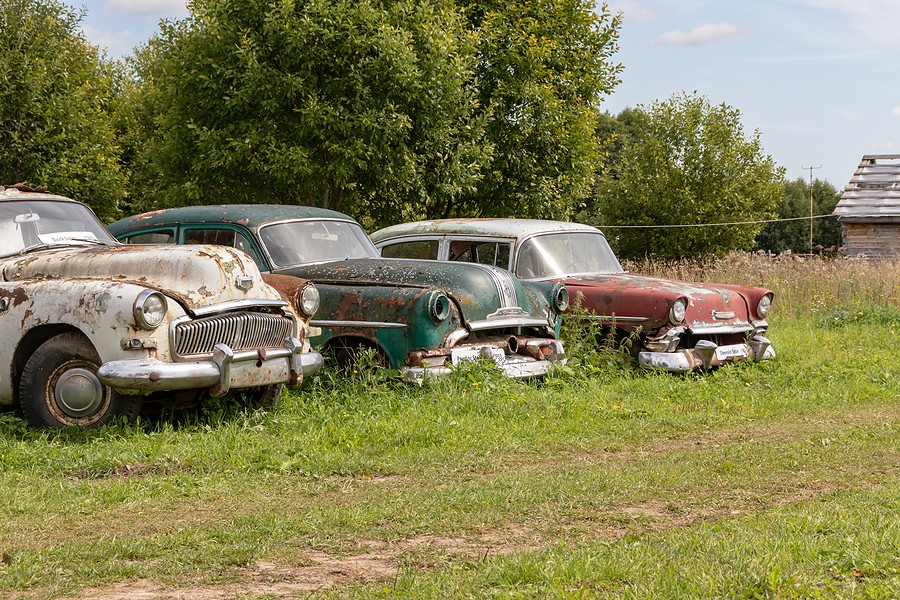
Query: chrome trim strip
{"points": [[456, 337], [511, 322], [237, 305], [318, 323], [617, 319], [711, 330]]}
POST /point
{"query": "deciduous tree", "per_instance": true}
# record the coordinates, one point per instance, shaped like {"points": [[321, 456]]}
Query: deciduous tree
{"points": [[689, 163], [794, 204], [56, 97], [544, 67], [357, 105]]}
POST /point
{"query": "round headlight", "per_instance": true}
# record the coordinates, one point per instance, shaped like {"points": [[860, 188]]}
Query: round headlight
{"points": [[149, 309], [765, 303], [677, 312], [439, 306], [308, 300], [560, 298]]}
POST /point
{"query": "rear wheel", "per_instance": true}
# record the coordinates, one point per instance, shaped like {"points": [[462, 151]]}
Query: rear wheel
{"points": [[59, 387]]}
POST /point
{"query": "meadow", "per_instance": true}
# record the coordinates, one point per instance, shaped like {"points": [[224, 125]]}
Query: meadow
{"points": [[771, 480]]}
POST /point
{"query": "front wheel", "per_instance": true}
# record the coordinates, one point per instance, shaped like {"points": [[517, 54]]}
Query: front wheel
{"points": [[59, 387], [266, 396]]}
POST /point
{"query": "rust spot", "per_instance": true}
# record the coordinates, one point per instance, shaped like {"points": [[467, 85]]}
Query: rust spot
{"points": [[17, 296]]}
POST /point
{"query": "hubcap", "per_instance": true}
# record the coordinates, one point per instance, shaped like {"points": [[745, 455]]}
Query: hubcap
{"points": [[78, 392]]}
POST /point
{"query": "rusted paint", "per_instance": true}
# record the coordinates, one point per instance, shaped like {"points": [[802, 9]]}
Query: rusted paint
{"points": [[86, 282], [715, 314], [379, 301]]}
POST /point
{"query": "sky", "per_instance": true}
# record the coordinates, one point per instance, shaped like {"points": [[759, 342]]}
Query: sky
{"points": [[818, 79]]}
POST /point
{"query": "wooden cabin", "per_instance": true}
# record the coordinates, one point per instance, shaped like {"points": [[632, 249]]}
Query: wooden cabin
{"points": [[869, 208]]}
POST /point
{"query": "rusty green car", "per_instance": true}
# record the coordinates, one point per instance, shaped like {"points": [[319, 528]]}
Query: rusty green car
{"points": [[420, 317]]}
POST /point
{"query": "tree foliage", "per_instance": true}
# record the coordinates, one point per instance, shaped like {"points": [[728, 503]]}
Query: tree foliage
{"points": [[794, 235], [543, 69], [350, 105], [388, 110], [685, 161], [56, 99]]}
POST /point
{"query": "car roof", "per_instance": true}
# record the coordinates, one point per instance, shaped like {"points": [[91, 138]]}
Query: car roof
{"points": [[8, 194], [517, 228], [249, 215]]}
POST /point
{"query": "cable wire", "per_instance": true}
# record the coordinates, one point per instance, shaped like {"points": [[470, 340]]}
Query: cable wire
{"points": [[713, 224]]}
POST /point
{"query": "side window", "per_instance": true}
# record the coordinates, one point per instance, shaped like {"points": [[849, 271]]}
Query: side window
{"points": [[422, 249], [492, 253], [153, 237], [222, 237], [462, 251]]}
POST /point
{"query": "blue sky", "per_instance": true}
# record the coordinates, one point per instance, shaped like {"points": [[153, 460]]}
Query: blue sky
{"points": [[819, 79]]}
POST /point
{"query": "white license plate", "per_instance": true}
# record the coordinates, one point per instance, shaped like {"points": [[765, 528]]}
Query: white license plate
{"points": [[735, 351], [472, 353]]}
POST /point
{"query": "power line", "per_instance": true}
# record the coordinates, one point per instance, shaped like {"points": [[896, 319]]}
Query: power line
{"points": [[714, 224]]}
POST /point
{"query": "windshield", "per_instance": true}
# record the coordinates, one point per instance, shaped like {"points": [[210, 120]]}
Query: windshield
{"points": [[560, 254], [28, 224], [303, 242]]}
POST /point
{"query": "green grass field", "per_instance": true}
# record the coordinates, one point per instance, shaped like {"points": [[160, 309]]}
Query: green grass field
{"points": [[774, 480]]}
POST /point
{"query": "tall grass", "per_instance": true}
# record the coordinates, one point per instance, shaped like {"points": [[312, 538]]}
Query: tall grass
{"points": [[802, 284]]}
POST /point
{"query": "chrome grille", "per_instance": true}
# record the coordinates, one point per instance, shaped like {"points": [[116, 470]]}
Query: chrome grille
{"points": [[239, 331]]}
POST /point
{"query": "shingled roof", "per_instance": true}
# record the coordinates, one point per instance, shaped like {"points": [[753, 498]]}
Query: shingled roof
{"points": [[873, 193]]}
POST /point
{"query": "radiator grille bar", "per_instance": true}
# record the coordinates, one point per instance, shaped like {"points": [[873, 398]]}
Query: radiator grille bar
{"points": [[239, 331]]}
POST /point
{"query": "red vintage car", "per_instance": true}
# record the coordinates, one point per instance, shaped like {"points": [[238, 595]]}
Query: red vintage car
{"points": [[680, 326]]}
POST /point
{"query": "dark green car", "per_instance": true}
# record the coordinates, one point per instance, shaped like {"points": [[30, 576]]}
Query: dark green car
{"points": [[421, 317]]}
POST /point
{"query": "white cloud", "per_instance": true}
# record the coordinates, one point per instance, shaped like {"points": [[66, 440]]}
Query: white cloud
{"points": [[116, 43], [149, 8], [866, 23], [701, 36], [896, 111]]}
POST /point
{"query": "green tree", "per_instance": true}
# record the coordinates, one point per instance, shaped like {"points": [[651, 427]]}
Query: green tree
{"points": [[543, 69], [688, 163], [56, 98], [794, 204], [356, 105]]}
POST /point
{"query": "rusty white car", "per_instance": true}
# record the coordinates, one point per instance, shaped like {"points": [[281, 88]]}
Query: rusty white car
{"points": [[93, 329], [677, 326]]}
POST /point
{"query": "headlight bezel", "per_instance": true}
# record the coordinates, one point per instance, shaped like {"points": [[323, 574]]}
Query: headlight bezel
{"points": [[308, 300], [764, 306], [678, 311], [559, 298], [439, 306], [152, 317]]}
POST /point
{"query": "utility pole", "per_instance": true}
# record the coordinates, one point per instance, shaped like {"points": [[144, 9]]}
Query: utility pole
{"points": [[811, 205]]}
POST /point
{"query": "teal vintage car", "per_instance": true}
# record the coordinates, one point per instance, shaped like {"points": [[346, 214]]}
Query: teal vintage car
{"points": [[418, 316]]}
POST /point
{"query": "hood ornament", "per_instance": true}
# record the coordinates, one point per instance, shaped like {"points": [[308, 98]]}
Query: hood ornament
{"points": [[244, 282]]}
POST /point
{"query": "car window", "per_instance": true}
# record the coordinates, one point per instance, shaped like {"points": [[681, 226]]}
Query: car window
{"points": [[492, 253], [561, 254], [421, 249], [29, 224], [312, 241], [151, 237], [485, 253], [222, 237]]}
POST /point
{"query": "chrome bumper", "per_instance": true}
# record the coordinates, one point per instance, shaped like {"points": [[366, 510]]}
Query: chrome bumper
{"points": [[226, 370], [515, 365], [706, 354]]}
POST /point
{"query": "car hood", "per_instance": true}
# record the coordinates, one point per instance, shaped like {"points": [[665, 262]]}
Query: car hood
{"points": [[633, 296], [479, 291], [197, 276]]}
